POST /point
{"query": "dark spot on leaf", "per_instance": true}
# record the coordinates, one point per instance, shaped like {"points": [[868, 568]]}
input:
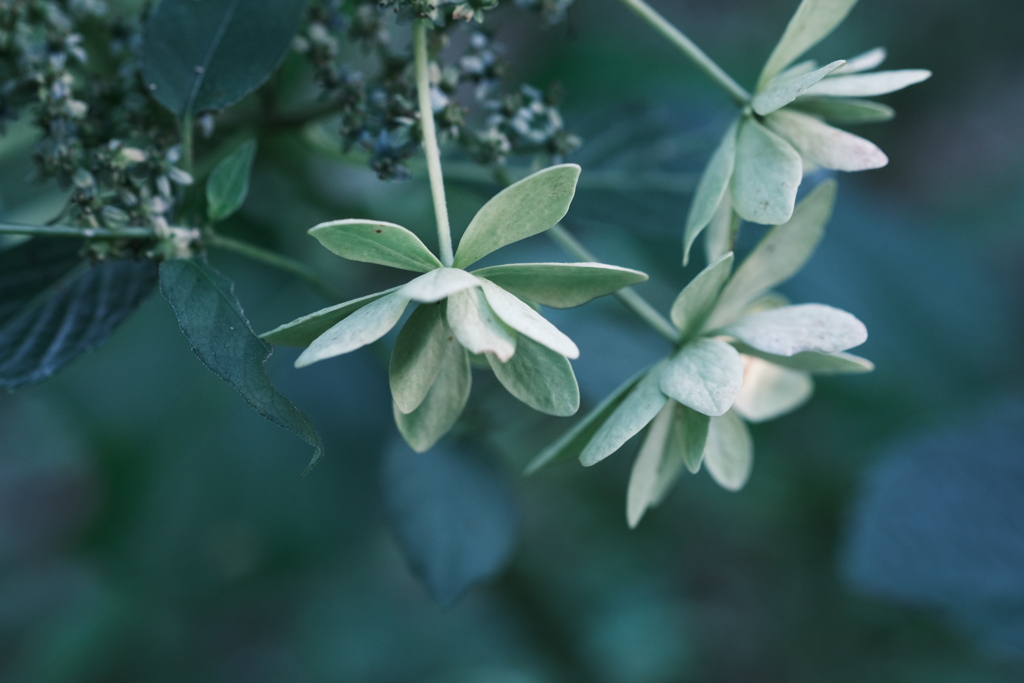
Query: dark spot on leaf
{"points": [[378, 231]]}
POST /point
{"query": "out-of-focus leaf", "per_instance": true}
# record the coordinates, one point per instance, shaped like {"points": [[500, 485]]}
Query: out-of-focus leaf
{"points": [[814, 362], [561, 285], [454, 517], [228, 185], [200, 56], [866, 61], [845, 111], [714, 184], [729, 452], [302, 331], [539, 377], [213, 322], [365, 326], [767, 174], [526, 208], [439, 284], [526, 321], [650, 467], [442, 405], [634, 413], [721, 231], [695, 303], [869, 85], [812, 22], [783, 90], [689, 436], [477, 327], [770, 391], [794, 329], [55, 307], [780, 254], [378, 242], [704, 375], [416, 357], [824, 145]]}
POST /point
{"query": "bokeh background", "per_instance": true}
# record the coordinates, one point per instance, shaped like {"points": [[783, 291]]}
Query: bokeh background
{"points": [[154, 528]]}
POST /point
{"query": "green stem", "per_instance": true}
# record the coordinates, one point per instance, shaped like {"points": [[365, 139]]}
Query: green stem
{"points": [[68, 231], [627, 296], [187, 126], [677, 38], [273, 260], [430, 148]]}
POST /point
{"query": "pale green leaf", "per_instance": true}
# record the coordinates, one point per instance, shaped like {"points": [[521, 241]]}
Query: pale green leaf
{"points": [[438, 284], [572, 442], [417, 355], [648, 466], [561, 285], [302, 331], [633, 414], [780, 254], [477, 327], [721, 232], [442, 405], [766, 303], [712, 188], [869, 85], [767, 174], [363, 327], [783, 90], [539, 377], [812, 22], [695, 303], [793, 329], [799, 69], [872, 59], [526, 208], [845, 111], [368, 241], [704, 375], [729, 453], [825, 146], [814, 362], [770, 391], [228, 184], [526, 321], [689, 435]]}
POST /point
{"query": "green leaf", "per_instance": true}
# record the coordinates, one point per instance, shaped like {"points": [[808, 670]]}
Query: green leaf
{"points": [[770, 391], [572, 442], [780, 254], [721, 232], [539, 377], [386, 244], [477, 327], [439, 284], [200, 56], [639, 407], [228, 185], [695, 303], [866, 61], [729, 453], [825, 146], [705, 375], [869, 85], [213, 322], [793, 329], [689, 436], [416, 357], [845, 111], [303, 331], [561, 285], [526, 321], [649, 466], [54, 306], [365, 326], [814, 362], [526, 208], [442, 405], [783, 90], [767, 175], [711, 189], [812, 22]]}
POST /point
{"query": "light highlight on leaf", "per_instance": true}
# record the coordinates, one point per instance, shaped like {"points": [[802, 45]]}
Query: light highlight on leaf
{"points": [[477, 327], [363, 327], [526, 321], [793, 329], [824, 145], [704, 375]]}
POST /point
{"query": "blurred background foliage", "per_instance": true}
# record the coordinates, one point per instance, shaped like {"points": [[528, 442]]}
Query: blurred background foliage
{"points": [[154, 528]]}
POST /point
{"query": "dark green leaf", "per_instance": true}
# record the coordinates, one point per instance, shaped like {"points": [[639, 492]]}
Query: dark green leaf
{"points": [[378, 242], [845, 111], [228, 185], [416, 358], [539, 377]]}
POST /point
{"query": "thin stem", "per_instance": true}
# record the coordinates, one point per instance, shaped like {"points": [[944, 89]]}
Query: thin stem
{"points": [[627, 296], [273, 260], [677, 38], [68, 231], [187, 126], [430, 148]]}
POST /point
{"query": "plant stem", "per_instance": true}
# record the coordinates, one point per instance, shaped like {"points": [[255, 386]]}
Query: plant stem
{"points": [[67, 231], [430, 148], [627, 296], [273, 260], [677, 38], [187, 126]]}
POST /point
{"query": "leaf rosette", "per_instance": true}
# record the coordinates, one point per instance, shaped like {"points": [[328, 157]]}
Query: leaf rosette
{"points": [[485, 312]]}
